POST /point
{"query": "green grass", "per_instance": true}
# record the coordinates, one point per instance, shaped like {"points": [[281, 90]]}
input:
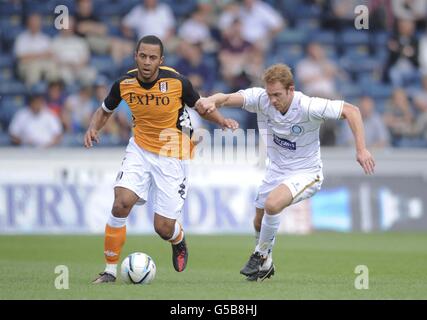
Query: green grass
{"points": [[318, 266]]}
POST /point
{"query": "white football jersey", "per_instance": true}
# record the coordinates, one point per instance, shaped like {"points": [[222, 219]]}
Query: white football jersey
{"points": [[292, 139]]}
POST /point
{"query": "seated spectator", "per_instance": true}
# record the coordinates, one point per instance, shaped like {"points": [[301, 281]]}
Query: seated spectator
{"points": [[260, 22], [196, 30], [55, 97], [402, 64], [78, 110], [192, 65], [96, 34], [72, 56], [422, 57], [376, 133], [35, 126], [317, 73], [414, 10], [398, 115], [241, 63], [32, 49], [420, 97], [150, 17]]}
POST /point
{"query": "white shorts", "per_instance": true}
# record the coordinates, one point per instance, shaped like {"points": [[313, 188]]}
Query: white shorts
{"points": [[302, 185], [164, 179]]}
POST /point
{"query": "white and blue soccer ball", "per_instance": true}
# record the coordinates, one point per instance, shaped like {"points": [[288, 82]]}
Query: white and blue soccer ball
{"points": [[138, 268]]}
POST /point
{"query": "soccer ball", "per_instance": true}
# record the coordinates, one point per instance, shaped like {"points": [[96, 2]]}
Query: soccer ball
{"points": [[138, 268]]}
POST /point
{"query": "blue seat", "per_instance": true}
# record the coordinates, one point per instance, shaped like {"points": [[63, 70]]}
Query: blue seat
{"points": [[13, 87], [104, 64], [292, 36], [354, 37], [349, 90], [379, 90], [8, 107], [182, 8], [8, 8]]}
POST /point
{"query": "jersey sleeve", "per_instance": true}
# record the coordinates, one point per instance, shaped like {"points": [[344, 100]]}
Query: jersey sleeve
{"points": [[324, 109], [113, 99], [252, 98], [189, 95]]}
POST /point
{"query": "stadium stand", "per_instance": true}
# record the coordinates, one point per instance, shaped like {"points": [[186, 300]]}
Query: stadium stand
{"points": [[362, 54]]}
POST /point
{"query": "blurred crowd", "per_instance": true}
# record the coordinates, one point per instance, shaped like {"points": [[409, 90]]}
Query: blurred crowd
{"points": [[52, 80]]}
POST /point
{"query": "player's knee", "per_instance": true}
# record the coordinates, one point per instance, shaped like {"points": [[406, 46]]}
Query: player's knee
{"points": [[163, 229], [121, 209], [272, 206]]}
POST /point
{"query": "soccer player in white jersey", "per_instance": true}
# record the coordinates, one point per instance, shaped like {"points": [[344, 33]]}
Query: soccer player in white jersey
{"points": [[292, 121]]}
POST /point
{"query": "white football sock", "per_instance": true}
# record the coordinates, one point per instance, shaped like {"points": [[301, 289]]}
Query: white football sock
{"points": [[256, 237], [176, 231], [116, 222], [111, 269], [269, 226]]}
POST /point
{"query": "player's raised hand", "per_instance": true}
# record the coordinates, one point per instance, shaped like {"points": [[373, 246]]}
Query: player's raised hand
{"points": [[205, 106], [366, 160], [230, 124], [90, 135]]}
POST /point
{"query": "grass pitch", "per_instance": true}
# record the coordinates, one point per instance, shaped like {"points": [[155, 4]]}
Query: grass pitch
{"points": [[317, 266]]}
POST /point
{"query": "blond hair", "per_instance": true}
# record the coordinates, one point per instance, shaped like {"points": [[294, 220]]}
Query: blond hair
{"points": [[279, 72]]}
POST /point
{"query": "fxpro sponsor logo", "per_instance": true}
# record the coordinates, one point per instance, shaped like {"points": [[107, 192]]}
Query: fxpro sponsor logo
{"points": [[284, 143]]}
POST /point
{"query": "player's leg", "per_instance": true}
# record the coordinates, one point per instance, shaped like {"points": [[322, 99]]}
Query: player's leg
{"points": [[172, 231], [259, 213], [290, 191], [169, 192], [115, 232], [276, 201], [131, 187]]}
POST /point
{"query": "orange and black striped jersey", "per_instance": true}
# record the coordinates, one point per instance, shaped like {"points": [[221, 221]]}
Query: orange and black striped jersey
{"points": [[160, 122]]}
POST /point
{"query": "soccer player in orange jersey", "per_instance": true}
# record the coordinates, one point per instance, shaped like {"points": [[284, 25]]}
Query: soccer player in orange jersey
{"points": [[153, 164]]}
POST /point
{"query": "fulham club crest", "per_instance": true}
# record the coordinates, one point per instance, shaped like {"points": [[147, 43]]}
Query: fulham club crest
{"points": [[163, 86]]}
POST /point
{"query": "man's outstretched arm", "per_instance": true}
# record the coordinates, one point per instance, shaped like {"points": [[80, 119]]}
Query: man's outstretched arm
{"points": [[209, 104], [354, 119], [99, 118]]}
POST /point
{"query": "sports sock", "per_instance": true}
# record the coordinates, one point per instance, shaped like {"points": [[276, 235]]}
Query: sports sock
{"points": [[256, 237], [269, 226], [178, 234], [115, 237]]}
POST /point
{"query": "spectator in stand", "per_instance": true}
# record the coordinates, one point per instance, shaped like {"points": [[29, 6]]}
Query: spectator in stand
{"points": [[96, 34], [78, 110], [420, 97], [402, 64], [72, 55], [398, 116], [413, 10], [36, 125], [422, 58], [318, 76], [196, 30], [376, 133], [260, 22], [317, 73], [151, 17], [192, 65], [240, 62], [55, 97], [32, 49]]}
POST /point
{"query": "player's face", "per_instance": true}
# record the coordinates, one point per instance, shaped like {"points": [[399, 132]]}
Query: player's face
{"points": [[148, 60], [280, 97]]}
